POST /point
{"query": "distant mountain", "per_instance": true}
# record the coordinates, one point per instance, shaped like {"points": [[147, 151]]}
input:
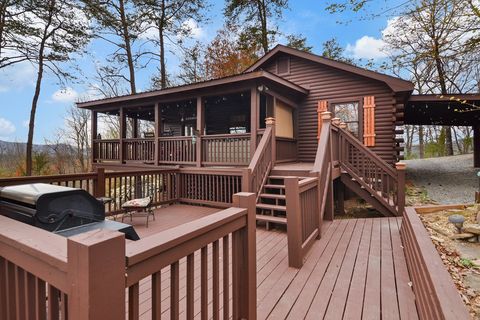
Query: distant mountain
{"points": [[7, 147]]}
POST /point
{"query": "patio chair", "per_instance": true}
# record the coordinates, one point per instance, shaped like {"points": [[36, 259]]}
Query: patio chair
{"points": [[138, 205]]}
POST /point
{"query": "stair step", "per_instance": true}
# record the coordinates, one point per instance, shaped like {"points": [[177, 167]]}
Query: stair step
{"points": [[274, 186], [271, 207], [283, 177], [280, 220], [272, 196]]}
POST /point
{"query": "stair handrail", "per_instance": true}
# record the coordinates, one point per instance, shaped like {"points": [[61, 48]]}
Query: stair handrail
{"points": [[394, 201], [255, 175], [322, 168]]}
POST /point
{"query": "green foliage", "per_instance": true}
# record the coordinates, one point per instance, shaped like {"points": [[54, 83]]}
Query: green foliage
{"points": [[298, 42], [467, 263], [333, 50]]}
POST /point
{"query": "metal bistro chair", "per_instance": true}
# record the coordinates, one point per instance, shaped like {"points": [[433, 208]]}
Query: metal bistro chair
{"points": [[144, 204]]}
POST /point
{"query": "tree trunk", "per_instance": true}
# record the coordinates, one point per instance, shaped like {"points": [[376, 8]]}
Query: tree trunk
{"points": [[128, 47], [263, 21], [421, 142], [161, 39]]}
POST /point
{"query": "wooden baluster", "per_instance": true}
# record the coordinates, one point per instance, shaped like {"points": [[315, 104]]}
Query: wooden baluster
{"points": [[216, 280], [175, 291], [190, 286], [204, 283], [157, 295], [226, 277]]}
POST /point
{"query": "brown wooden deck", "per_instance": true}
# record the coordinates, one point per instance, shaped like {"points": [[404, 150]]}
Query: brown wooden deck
{"points": [[356, 271]]}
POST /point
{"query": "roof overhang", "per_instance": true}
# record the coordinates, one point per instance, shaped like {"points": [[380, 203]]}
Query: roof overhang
{"points": [[449, 110], [396, 84], [203, 88]]}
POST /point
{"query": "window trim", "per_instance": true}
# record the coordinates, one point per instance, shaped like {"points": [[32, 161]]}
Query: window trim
{"points": [[356, 99]]}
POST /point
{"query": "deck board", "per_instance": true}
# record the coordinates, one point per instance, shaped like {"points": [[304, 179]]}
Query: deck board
{"points": [[357, 270]]}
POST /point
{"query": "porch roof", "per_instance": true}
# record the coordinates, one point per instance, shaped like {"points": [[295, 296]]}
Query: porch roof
{"points": [[432, 109], [203, 88]]}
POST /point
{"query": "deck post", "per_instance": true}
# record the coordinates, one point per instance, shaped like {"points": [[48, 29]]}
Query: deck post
{"points": [[246, 180], [254, 106], [96, 274], [400, 166], [245, 256], [294, 223], [99, 183], [94, 133], [122, 134], [270, 122], [200, 129], [476, 146], [158, 119]]}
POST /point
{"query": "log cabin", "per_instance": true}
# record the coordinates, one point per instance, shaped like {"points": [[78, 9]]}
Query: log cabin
{"points": [[266, 124]]}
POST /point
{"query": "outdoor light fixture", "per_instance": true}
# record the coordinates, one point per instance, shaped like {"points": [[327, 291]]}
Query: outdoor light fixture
{"points": [[262, 88]]}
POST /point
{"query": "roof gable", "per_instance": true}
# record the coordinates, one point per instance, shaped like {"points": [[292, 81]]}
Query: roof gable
{"points": [[396, 84]]}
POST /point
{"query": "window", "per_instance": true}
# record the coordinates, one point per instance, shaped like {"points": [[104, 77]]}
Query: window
{"points": [[348, 113]]}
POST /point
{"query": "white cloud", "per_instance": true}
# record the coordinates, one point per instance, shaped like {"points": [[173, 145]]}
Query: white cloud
{"points": [[66, 95], [6, 127], [193, 28], [26, 123], [367, 47], [17, 77]]}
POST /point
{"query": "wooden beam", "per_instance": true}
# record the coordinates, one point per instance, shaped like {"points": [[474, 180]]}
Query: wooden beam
{"points": [[158, 120], [122, 133], [94, 133]]}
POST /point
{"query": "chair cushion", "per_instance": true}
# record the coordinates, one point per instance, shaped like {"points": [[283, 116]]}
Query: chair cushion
{"points": [[137, 203]]}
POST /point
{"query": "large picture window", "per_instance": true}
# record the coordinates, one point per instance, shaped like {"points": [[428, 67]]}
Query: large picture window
{"points": [[348, 112]]}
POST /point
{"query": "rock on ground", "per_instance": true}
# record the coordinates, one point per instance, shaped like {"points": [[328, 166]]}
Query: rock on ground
{"points": [[446, 179]]}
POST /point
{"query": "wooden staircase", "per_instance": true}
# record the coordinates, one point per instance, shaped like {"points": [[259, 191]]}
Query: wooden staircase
{"points": [[271, 203]]}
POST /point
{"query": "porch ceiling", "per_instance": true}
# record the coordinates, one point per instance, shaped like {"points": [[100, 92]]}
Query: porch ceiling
{"points": [[205, 88], [455, 110]]}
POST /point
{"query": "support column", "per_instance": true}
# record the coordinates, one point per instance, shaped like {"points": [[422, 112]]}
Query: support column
{"points": [[94, 133], [270, 122], [158, 119], [254, 114], [401, 167], [476, 146], [200, 129], [122, 134]]}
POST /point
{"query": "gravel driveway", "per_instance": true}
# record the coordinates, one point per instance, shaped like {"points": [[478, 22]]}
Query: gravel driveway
{"points": [[446, 179]]}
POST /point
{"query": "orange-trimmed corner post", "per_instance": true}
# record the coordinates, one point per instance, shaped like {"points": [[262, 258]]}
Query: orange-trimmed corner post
{"points": [[96, 274], [245, 255], [401, 167]]}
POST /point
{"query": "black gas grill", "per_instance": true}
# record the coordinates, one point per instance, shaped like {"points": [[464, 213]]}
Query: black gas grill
{"points": [[62, 210]]}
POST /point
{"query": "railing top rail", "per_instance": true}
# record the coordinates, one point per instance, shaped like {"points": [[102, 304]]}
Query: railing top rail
{"points": [[372, 155], [261, 148], [215, 171], [323, 145], [138, 139], [140, 172], [106, 140], [227, 135], [49, 178], [176, 138], [308, 181]]}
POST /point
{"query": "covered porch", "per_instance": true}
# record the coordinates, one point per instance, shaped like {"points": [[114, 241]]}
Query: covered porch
{"points": [[214, 123]]}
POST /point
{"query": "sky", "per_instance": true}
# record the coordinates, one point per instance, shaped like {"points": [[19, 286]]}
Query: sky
{"points": [[362, 38]]}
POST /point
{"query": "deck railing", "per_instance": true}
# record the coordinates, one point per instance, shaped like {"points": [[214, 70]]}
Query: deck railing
{"points": [[256, 174], [139, 150], [210, 187], [382, 181], [303, 221], [436, 296], [224, 149], [84, 277], [176, 150], [220, 149], [106, 149]]}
